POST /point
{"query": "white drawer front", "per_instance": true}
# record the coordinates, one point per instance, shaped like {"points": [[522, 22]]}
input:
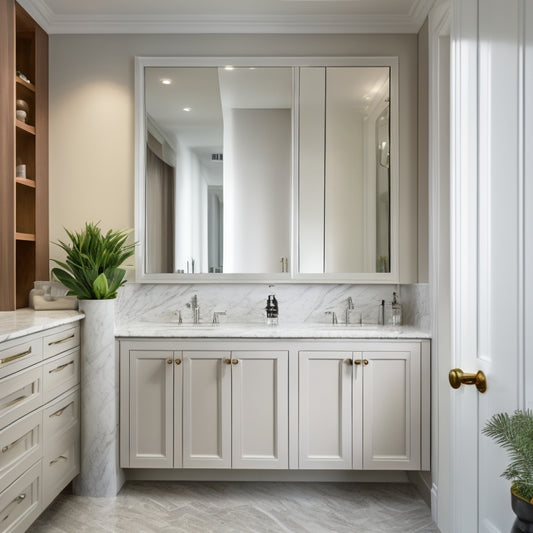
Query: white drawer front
{"points": [[20, 393], [61, 341], [20, 503], [20, 447], [16, 355], [60, 374], [61, 415], [61, 463]]}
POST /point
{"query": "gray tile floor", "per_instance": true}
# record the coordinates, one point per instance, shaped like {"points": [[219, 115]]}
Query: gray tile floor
{"points": [[222, 507]]}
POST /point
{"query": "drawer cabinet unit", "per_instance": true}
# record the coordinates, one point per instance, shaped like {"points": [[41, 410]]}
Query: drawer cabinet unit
{"points": [[39, 422]]}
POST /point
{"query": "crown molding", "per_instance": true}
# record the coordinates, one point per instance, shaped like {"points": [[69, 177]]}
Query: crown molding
{"points": [[99, 24]]}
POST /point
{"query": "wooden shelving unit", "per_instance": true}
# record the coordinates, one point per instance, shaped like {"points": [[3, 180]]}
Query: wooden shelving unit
{"points": [[23, 195]]}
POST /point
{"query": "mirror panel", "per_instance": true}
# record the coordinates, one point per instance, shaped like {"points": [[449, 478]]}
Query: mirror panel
{"points": [[218, 169], [268, 170], [344, 182]]}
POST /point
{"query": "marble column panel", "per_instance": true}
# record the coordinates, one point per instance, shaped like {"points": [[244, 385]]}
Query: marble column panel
{"points": [[100, 474]]}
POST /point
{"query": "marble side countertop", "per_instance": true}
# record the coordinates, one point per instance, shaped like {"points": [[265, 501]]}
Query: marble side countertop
{"points": [[260, 331], [22, 322]]}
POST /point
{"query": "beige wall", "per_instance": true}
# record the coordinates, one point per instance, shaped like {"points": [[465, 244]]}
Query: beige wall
{"points": [[92, 115]]}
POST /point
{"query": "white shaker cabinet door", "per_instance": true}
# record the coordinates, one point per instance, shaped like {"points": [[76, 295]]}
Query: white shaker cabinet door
{"points": [[325, 422], [206, 409], [151, 408], [391, 409], [260, 409]]}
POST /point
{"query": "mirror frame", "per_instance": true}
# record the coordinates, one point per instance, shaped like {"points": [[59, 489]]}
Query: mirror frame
{"points": [[141, 276]]}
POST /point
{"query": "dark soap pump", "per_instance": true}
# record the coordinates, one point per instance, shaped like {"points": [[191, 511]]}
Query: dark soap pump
{"points": [[271, 311]]}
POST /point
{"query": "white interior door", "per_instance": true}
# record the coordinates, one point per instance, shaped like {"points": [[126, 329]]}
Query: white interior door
{"points": [[488, 242]]}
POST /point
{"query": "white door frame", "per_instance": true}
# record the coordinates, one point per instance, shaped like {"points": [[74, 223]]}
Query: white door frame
{"points": [[439, 22]]}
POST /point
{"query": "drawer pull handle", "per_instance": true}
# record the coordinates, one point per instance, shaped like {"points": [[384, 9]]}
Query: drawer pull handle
{"points": [[18, 499], [61, 367], [13, 357], [59, 412], [62, 340], [15, 401], [14, 443], [58, 459]]}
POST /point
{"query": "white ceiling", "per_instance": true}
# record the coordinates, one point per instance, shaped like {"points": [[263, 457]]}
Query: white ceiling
{"points": [[229, 16]]}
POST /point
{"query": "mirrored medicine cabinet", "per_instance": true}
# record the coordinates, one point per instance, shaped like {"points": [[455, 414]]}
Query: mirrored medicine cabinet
{"points": [[266, 169]]}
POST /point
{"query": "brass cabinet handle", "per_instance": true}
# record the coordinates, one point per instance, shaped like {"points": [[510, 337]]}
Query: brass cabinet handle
{"points": [[357, 362], [10, 506], [227, 361], [457, 378], [61, 367], [62, 340], [15, 401], [59, 412], [16, 356], [58, 459], [169, 361], [14, 443], [178, 361], [234, 361], [365, 362], [349, 362]]}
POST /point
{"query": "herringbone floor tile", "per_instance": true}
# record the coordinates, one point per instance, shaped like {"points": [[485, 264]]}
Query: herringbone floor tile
{"points": [[224, 507]]}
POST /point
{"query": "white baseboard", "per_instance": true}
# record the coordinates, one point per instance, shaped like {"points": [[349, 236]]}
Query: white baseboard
{"points": [[421, 482], [347, 476]]}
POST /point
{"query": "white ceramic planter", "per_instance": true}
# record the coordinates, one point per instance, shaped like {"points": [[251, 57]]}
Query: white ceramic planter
{"points": [[100, 474]]}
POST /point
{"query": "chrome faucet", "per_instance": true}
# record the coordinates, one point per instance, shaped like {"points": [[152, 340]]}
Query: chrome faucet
{"points": [[333, 316], [349, 307], [216, 315], [195, 309]]}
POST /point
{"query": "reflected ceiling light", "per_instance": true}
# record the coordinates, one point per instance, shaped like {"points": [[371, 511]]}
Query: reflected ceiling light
{"points": [[228, 67], [166, 81], [187, 109]]}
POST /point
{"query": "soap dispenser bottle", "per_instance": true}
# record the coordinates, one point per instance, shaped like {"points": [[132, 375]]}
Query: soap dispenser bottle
{"points": [[272, 311], [396, 311]]}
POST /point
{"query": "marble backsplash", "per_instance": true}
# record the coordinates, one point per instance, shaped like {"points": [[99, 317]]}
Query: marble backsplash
{"points": [[245, 303]]}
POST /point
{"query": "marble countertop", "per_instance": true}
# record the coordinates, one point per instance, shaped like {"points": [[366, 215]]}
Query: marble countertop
{"points": [[14, 324], [260, 331]]}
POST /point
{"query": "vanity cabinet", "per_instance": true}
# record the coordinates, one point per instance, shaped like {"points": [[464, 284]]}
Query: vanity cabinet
{"points": [[195, 408], [310, 404], [361, 409], [39, 422]]}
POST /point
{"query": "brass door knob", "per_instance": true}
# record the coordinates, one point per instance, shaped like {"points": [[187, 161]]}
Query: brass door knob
{"points": [[227, 361], [357, 361], [457, 378], [349, 362], [234, 361], [178, 361], [365, 361], [169, 361]]}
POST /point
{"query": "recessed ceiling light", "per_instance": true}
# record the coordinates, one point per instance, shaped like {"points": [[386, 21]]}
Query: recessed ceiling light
{"points": [[229, 67], [187, 109], [166, 81]]}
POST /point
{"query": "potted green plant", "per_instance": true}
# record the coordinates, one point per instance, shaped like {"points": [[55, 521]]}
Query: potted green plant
{"points": [[92, 271], [514, 433]]}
